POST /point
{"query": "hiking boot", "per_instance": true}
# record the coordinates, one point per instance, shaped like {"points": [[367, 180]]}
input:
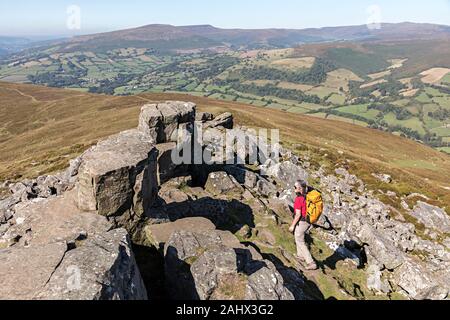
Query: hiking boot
{"points": [[311, 267]]}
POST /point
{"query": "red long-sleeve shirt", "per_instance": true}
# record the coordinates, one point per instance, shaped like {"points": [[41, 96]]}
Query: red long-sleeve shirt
{"points": [[300, 204]]}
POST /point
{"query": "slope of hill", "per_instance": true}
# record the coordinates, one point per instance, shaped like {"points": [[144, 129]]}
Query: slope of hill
{"points": [[42, 128]]}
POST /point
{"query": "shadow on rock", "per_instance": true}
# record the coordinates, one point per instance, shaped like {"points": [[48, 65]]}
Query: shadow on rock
{"points": [[350, 251], [180, 284], [229, 215], [300, 287], [151, 266]]}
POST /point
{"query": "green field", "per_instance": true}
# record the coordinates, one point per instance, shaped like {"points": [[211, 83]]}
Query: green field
{"points": [[446, 79], [412, 123], [360, 110], [444, 101], [336, 99], [424, 98], [297, 110]]}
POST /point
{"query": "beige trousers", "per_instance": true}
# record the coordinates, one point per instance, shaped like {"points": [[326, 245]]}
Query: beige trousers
{"points": [[302, 250]]}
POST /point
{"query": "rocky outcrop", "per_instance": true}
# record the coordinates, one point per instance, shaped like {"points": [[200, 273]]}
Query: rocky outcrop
{"points": [[383, 177], [74, 228], [117, 178], [219, 183], [286, 173], [208, 267], [224, 120], [160, 122], [75, 218], [157, 235], [56, 251], [419, 283], [432, 217]]}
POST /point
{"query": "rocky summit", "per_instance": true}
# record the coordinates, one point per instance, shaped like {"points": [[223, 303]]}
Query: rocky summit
{"points": [[124, 222]]}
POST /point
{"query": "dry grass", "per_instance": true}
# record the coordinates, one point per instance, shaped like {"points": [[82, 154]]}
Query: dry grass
{"points": [[42, 128], [434, 75], [340, 79], [409, 93], [373, 83], [294, 63], [46, 127], [378, 75]]}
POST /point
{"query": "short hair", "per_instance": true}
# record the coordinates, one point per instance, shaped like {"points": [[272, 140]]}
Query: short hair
{"points": [[301, 183]]}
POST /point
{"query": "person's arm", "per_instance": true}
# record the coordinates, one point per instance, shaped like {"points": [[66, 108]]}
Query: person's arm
{"points": [[298, 216]]}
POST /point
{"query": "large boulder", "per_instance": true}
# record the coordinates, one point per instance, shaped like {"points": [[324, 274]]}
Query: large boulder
{"points": [[213, 265], [117, 178], [160, 122], [107, 270], [204, 117], [42, 221], [224, 120], [265, 188], [419, 283], [101, 268], [56, 251], [158, 234], [6, 209], [286, 173], [380, 249], [432, 217], [243, 176], [167, 169], [219, 183]]}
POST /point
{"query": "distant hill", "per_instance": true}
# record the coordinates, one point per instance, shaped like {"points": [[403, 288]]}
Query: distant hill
{"points": [[12, 44], [168, 37]]}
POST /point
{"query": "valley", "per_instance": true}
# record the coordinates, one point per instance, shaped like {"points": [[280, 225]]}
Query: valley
{"points": [[402, 87]]}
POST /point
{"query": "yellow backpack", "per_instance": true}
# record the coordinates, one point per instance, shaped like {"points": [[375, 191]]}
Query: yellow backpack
{"points": [[314, 206]]}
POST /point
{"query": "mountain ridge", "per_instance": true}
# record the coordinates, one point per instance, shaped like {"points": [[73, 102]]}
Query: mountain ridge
{"points": [[269, 37]]}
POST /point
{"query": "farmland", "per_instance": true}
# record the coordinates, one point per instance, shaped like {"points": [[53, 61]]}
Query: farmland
{"points": [[387, 87]]}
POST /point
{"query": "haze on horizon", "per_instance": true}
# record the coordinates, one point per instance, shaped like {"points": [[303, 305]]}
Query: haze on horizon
{"points": [[52, 17]]}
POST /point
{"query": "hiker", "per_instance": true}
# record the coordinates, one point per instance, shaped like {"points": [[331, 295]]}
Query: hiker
{"points": [[300, 226]]}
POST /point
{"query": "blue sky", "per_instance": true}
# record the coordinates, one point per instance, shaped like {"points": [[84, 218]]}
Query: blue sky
{"points": [[49, 17]]}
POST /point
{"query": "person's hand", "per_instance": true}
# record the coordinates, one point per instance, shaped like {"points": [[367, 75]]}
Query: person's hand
{"points": [[291, 229]]}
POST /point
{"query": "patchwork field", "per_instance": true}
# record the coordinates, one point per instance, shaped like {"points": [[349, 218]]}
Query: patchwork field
{"points": [[294, 63], [434, 75]]}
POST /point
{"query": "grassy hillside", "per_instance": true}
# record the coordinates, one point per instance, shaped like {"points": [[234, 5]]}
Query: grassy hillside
{"points": [[403, 84], [42, 128]]}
